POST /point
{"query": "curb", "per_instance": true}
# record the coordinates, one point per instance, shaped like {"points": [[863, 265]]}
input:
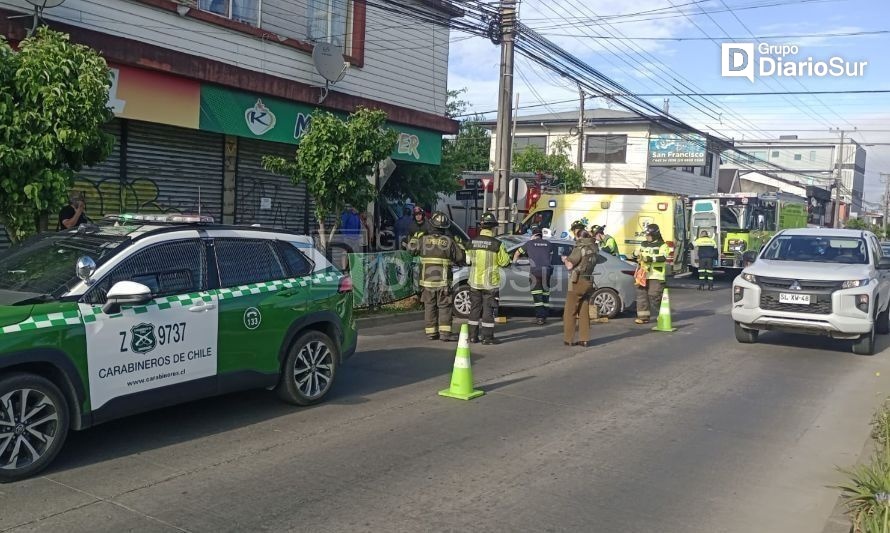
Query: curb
{"points": [[388, 318], [839, 521]]}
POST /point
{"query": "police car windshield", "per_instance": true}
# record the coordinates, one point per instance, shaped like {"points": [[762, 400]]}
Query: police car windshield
{"points": [[813, 249], [45, 264]]}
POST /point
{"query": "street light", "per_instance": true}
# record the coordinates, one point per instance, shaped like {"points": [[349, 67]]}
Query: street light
{"points": [[39, 6]]}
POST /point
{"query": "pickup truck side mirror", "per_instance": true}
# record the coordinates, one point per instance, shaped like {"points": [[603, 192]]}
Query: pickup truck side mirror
{"points": [[125, 293]]}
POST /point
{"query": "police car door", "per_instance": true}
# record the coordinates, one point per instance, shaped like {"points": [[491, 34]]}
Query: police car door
{"points": [[160, 351]]}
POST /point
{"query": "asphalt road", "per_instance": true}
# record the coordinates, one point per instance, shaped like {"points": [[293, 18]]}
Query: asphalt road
{"points": [[643, 432]]}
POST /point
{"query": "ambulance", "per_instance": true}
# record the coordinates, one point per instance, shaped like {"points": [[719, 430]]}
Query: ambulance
{"points": [[625, 217]]}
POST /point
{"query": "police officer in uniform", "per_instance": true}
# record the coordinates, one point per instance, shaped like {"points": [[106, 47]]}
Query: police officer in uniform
{"points": [[606, 242], [438, 253], [486, 256], [707, 255], [539, 252], [580, 264], [652, 255]]}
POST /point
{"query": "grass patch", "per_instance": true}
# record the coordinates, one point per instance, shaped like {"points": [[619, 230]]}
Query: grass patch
{"points": [[867, 495]]}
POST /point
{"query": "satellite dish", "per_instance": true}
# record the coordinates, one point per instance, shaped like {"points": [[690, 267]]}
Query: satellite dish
{"points": [[328, 60]]}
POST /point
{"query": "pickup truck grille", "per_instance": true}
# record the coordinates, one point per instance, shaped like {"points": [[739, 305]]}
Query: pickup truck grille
{"points": [[806, 285], [821, 306]]}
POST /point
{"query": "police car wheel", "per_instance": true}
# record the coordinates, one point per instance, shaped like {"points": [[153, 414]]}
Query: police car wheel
{"points": [[309, 370], [34, 422], [607, 302], [461, 301]]}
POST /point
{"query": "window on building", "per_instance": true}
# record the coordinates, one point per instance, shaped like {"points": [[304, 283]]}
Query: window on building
{"points": [[812, 155], [246, 11], [775, 153], [521, 144], [606, 149], [328, 22], [798, 157]]}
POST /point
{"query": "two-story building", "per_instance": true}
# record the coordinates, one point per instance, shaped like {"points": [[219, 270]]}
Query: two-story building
{"points": [[621, 150], [203, 89], [809, 163]]}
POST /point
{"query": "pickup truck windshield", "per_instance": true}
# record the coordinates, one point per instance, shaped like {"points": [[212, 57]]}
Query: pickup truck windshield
{"points": [[45, 264], [817, 249]]}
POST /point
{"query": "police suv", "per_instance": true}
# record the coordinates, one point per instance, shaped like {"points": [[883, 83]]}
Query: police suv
{"points": [[143, 312], [833, 282]]}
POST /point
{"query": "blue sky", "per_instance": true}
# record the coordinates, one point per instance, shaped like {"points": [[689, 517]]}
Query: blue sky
{"points": [[660, 66]]}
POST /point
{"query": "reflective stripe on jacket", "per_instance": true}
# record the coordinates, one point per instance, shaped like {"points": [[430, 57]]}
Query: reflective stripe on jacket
{"points": [[438, 253], [653, 258], [486, 255]]}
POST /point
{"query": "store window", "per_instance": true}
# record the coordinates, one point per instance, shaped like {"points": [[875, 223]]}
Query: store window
{"points": [[521, 144], [328, 22], [246, 11], [606, 149], [798, 157]]}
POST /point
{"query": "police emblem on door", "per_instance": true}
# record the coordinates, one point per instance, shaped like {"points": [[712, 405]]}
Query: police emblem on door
{"points": [[143, 338]]}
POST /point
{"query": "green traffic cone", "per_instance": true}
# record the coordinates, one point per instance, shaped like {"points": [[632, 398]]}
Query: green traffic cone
{"points": [[664, 314], [462, 376]]}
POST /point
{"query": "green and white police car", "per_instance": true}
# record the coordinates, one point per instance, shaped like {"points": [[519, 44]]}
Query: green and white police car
{"points": [[144, 312]]}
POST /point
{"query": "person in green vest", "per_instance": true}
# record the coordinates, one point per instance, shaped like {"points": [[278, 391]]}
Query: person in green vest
{"points": [[438, 253], [707, 255], [652, 257], [606, 242], [486, 256]]}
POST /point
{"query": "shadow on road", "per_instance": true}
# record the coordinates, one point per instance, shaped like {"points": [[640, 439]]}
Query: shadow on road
{"points": [[491, 387], [818, 343]]}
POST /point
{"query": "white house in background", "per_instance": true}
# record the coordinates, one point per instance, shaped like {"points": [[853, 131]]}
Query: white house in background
{"points": [[623, 150], [735, 180], [811, 163]]}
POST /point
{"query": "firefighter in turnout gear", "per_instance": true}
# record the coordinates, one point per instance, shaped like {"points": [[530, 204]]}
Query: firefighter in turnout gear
{"points": [[606, 242], [707, 255], [438, 253], [580, 264], [539, 252], [486, 256], [652, 256]]}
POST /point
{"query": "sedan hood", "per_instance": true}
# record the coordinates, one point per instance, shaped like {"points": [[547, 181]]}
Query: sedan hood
{"points": [[802, 270]]}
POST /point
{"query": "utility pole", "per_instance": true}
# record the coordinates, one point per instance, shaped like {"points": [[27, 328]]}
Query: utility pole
{"points": [[503, 136], [837, 181], [581, 146]]}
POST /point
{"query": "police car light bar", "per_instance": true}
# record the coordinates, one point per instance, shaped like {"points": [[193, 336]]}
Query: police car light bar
{"points": [[162, 219]]}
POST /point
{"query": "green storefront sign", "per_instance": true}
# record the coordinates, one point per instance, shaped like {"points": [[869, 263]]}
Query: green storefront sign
{"points": [[272, 119]]}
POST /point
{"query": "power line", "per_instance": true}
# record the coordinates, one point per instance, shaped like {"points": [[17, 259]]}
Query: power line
{"points": [[758, 37]]}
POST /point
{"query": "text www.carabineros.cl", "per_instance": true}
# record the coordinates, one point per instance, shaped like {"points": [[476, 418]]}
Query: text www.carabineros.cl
{"points": [[159, 377]]}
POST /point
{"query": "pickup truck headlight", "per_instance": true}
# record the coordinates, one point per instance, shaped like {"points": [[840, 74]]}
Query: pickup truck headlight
{"points": [[852, 284], [750, 278]]}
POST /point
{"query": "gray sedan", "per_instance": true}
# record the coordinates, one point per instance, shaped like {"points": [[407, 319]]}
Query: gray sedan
{"points": [[612, 278]]}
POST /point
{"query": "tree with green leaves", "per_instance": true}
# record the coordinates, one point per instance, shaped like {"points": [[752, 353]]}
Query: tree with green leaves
{"points": [[53, 103], [468, 150], [556, 164], [334, 160]]}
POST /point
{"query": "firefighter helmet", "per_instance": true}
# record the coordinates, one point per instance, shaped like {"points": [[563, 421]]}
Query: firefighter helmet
{"points": [[488, 220], [576, 225], [440, 220]]}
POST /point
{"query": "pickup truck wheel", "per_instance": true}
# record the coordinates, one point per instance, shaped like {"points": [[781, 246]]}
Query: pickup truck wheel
{"points": [[745, 336], [33, 425], [882, 322], [865, 345]]}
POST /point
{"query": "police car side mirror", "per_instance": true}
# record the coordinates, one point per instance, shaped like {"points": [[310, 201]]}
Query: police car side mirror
{"points": [[125, 293], [85, 268]]}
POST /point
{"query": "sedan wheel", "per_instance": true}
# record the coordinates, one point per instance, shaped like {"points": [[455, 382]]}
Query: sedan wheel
{"points": [[310, 369], [607, 303], [33, 425], [462, 302]]}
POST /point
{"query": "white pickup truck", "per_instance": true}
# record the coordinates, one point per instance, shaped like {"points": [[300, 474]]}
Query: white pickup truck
{"points": [[833, 282]]}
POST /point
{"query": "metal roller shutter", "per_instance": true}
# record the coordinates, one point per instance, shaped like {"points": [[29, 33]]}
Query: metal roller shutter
{"points": [[101, 184], [170, 168], [267, 199]]}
